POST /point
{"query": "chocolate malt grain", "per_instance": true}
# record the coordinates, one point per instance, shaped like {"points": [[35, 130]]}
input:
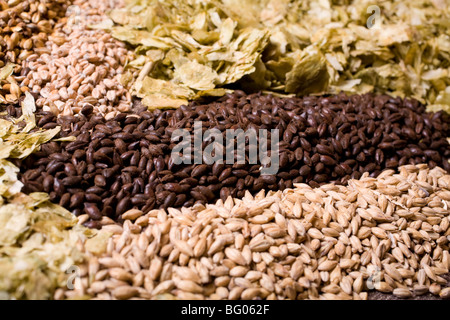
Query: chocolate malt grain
{"points": [[125, 162]]}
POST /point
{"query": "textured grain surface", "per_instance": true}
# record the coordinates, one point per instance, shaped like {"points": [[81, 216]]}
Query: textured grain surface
{"points": [[126, 162], [288, 245], [25, 27], [79, 67]]}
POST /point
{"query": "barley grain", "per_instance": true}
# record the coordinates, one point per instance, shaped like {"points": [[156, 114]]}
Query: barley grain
{"points": [[205, 252]]}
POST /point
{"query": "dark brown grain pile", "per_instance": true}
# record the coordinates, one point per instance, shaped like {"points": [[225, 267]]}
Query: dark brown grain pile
{"points": [[123, 163]]}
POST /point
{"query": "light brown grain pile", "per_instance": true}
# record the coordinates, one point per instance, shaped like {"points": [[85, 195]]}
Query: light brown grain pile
{"points": [[80, 66], [25, 26], [333, 242]]}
